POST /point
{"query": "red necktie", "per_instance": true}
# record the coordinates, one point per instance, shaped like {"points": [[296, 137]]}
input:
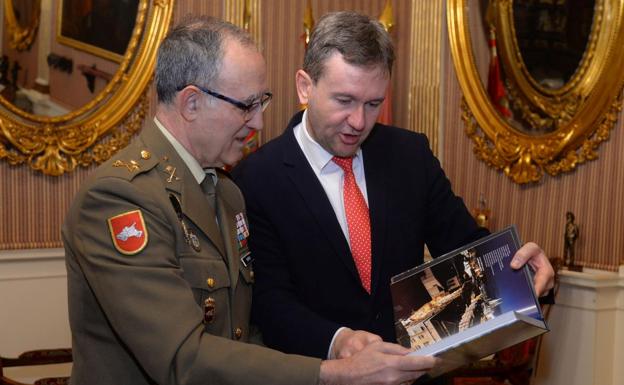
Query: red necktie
{"points": [[358, 222]]}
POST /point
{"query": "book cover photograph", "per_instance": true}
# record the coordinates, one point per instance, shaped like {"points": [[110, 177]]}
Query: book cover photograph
{"points": [[467, 304]]}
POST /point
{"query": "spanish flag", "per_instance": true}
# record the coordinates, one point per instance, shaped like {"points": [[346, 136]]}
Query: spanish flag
{"points": [[495, 87]]}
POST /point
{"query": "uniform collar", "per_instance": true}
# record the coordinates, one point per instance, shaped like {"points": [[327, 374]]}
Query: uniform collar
{"points": [[193, 165]]}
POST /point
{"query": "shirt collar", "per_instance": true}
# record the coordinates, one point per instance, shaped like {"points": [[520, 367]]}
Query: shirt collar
{"points": [[189, 160], [318, 157]]}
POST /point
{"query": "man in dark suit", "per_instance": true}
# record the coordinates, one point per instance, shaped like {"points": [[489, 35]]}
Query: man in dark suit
{"points": [[159, 282], [338, 204]]}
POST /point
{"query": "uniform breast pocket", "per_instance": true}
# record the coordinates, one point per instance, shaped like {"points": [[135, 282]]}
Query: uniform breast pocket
{"points": [[210, 281], [247, 273]]}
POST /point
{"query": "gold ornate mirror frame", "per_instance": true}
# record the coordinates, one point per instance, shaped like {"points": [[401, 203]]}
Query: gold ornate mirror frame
{"points": [[582, 112], [21, 37], [91, 134]]}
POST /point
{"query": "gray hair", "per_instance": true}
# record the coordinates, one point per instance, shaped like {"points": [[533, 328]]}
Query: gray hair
{"points": [[361, 40], [192, 53]]}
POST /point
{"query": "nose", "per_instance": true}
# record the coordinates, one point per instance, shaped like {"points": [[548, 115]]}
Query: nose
{"points": [[357, 118], [256, 122]]}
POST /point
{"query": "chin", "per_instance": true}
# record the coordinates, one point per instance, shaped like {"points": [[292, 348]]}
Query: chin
{"points": [[232, 160], [345, 153]]}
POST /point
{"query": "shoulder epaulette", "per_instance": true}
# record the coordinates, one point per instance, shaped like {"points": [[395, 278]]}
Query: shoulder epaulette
{"points": [[127, 166]]}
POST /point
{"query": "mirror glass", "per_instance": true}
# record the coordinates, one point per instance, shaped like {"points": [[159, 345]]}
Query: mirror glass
{"points": [[542, 80], [82, 77], [552, 36], [75, 52]]}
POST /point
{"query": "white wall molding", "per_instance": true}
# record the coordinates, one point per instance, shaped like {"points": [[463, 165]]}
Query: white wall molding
{"points": [[32, 264]]}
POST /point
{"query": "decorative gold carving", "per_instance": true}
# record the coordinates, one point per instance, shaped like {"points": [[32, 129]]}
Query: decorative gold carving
{"points": [[529, 96], [576, 117], [93, 133], [21, 37], [387, 18]]}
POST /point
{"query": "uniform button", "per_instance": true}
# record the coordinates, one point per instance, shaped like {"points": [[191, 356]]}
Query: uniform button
{"points": [[145, 154], [238, 333], [210, 282], [252, 275]]}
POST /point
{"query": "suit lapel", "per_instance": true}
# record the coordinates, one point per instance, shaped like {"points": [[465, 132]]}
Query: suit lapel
{"points": [[376, 188], [308, 186]]}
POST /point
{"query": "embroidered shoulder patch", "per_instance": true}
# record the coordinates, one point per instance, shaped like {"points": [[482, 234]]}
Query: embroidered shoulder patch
{"points": [[128, 232]]}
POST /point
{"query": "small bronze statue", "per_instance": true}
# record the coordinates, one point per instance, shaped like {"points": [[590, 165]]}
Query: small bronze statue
{"points": [[570, 236], [482, 213]]}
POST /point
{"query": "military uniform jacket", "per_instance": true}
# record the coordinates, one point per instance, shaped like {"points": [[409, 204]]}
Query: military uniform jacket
{"points": [[157, 290]]}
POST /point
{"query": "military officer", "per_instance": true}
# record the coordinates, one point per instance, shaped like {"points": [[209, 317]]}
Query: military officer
{"points": [[159, 272]]}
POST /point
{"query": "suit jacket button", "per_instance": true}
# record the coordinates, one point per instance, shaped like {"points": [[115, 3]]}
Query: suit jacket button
{"points": [[238, 333], [210, 282], [377, 316]]}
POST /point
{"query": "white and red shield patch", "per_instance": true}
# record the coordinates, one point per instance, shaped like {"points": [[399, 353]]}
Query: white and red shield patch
{"points": [[128, 232]]}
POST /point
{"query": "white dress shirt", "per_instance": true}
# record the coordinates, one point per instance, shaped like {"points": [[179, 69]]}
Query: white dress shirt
{"points": [[331, 177], [329, 173]]}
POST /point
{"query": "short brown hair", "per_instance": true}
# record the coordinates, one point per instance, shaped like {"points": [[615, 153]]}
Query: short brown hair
{"points": [[362, 41]]}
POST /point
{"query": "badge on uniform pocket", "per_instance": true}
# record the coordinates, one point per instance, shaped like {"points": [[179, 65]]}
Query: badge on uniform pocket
{"points": [[242, 233], [209, 310]]}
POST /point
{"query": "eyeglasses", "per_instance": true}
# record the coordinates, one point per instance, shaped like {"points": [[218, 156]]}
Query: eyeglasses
{"points": [[249, 110]]}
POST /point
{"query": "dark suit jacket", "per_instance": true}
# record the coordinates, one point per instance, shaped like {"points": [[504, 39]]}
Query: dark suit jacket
{"points": [[307, 284], [137, 319]]}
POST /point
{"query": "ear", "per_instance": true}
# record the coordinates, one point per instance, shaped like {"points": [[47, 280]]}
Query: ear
{"points": [[188, 102], [304, 84]]}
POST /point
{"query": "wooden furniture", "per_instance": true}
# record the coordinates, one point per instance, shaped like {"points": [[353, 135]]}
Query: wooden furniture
{"points": [[36, 358]]}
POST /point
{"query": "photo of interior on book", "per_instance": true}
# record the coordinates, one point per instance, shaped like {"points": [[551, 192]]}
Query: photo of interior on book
{"points": [[462, 289]]}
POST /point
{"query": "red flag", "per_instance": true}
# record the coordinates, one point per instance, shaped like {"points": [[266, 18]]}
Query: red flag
{"points": [[496, 88]]}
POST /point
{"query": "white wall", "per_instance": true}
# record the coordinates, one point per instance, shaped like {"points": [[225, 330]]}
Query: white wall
{"points": [[33, 301], [586, 343], [584, 347]]}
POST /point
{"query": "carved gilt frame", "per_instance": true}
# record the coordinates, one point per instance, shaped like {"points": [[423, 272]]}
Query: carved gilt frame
{"points": [[94, 132], [582, 112]]}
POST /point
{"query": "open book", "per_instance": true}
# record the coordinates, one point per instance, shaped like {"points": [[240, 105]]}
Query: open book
{"points": [[467, 304]]}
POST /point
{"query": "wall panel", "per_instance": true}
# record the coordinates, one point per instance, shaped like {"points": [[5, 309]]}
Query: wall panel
{"points": [[592, 192], [32, 206]]}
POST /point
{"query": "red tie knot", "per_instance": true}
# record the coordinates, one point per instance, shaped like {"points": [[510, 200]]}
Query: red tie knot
{"points": [[344, 163]]}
